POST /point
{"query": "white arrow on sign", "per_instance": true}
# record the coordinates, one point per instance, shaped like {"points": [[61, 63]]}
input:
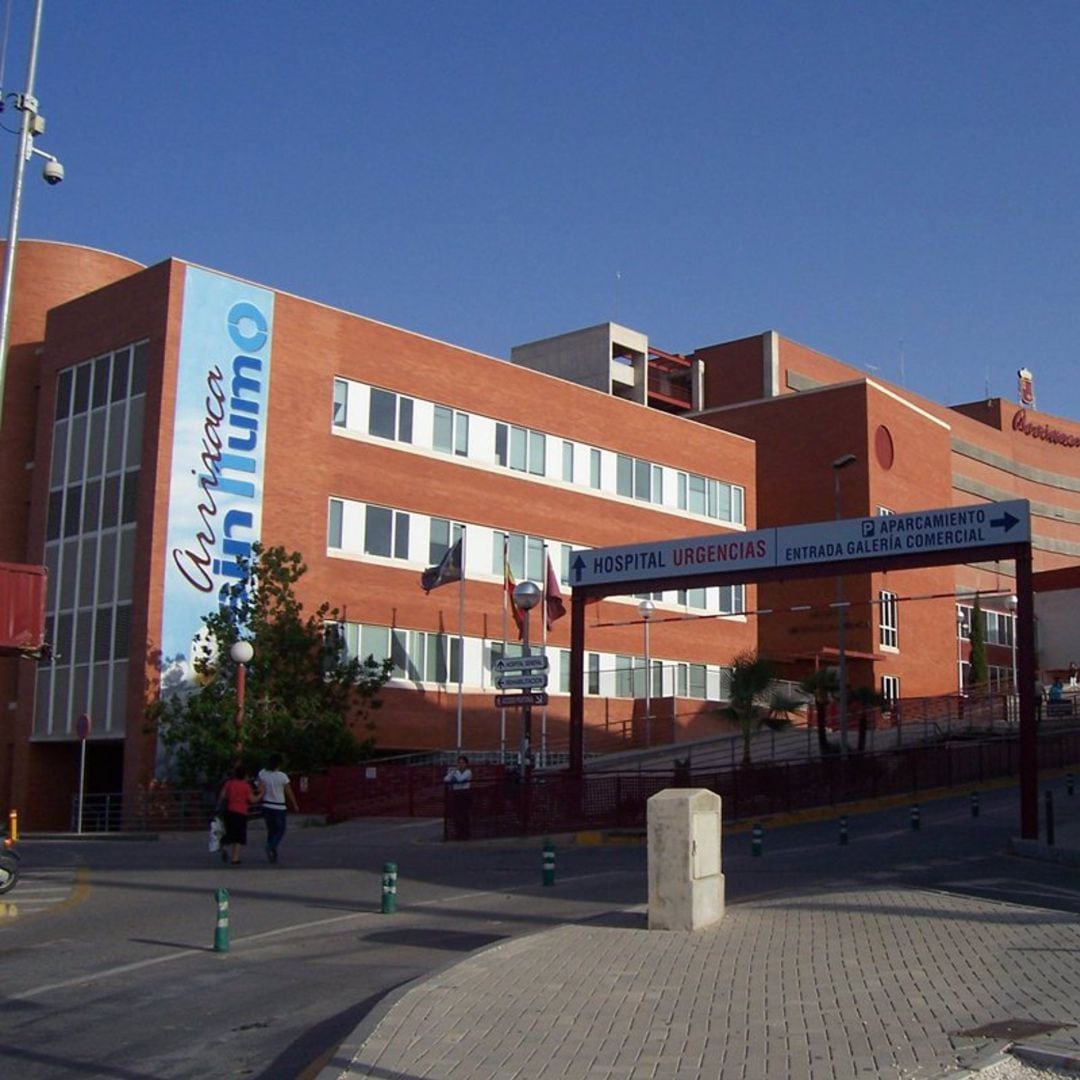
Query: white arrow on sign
{"points": [[522, 663], [520, 682]]}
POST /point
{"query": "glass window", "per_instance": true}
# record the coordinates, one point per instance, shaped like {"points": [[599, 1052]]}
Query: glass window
{"points": [[568, 461], [122, 632], [131, 496], [103, 633], [386, 533], [594, 469], [444, 533], [624, 676], [121, 365], [624, 475], [63, 393], [374, 641], [888, 629], [564, 671], [138, 369], [83, 375], [519, 449], [592, 669], [390, 416], [537, 453], [642, 480], [341, 403], [100, 393], [337, 508], [890, 688], [451, 431], [697, 681], [72, 511]]}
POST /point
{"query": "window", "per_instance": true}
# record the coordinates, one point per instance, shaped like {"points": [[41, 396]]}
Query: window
{"points": [[524, 553], [386, 533], [520, 449], [890, 689], [592, 670], [451, 433], [568, 461], [637, 479], [624, 676], [390, 416], [694, 598], [594, 468], [963, 622], [710, 498], [333, 532], [564, 671], [341, 403], [696, 681], [444, 533], [888, 634], [733, 599]]}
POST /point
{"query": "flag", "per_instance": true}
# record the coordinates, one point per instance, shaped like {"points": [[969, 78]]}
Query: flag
{"points": [[554, 605], [447, 570], [508, 585]]}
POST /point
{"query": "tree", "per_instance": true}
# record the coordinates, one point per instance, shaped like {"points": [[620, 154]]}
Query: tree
{"points": [[978, 671], [823, 685], [865, 699], [752, 698], [304, 697]]}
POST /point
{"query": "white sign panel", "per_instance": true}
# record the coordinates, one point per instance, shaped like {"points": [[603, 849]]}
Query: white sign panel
{"points": [[674, 558], [982, 525]]}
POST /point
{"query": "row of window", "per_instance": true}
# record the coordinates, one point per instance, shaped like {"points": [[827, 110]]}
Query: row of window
{"points": [[389, 533], [423, 657], [999, 626], [399, 418]]}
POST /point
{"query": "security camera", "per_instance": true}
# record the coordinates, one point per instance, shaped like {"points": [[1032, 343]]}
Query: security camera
{"points": [[53, 173]]}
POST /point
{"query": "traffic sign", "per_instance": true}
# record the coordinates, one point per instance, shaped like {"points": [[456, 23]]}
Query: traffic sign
{"points": [[538, 662], [82, 726], [515, 682], [519, 701], [943, 529]]}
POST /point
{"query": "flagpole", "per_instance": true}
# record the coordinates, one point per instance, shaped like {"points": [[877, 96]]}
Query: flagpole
{"points": [[543, 649], [502, 712], [461, 635]]}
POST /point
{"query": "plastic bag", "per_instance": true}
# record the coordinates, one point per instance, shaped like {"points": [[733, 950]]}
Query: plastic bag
{"points": [[217, 831]]}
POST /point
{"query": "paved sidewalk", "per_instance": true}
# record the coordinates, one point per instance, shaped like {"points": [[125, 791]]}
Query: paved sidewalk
{"points": [[893, 983]]}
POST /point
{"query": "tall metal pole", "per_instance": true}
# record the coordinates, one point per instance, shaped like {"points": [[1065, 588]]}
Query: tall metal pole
{"points": [[28, 106], [646, 608], [837, 465]]}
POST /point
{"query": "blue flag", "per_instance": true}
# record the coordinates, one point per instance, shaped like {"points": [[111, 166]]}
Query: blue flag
{"points": [[447, 571]]}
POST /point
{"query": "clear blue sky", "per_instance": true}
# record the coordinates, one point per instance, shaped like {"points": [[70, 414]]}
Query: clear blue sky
{"points": [[894, 184]]}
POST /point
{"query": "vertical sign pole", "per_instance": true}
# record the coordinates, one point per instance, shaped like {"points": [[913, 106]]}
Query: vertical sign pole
{"points": [[82, 729], [1025, 652]]}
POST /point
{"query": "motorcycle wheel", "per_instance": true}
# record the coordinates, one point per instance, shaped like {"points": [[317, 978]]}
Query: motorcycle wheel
{"points": [[9, 873]]}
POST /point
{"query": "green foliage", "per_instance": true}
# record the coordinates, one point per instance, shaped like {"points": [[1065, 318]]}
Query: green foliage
{"points": [[303, 699], [979, 670], [823, 685], [753, 700], [863, 701]]}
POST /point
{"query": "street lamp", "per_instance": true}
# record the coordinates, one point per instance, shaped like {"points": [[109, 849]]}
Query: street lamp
{"points": [[646, 609], [241, 653], [959, 650], [1012, 604], [839, 464], [526, 596], [33, 124]]}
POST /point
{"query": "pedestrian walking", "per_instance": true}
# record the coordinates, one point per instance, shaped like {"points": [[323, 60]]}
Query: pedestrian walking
{"points": [[277, 800], [459, 780], [237, 797]]}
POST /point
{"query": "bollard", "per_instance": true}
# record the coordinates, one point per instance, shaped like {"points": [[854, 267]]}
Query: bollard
{"points": [[974, 804], [389, 888], [1069, 783], [916, 824], [13, 826], [756, 833], [221, 928], [843, 831], [549, 863], [1049, 819]]}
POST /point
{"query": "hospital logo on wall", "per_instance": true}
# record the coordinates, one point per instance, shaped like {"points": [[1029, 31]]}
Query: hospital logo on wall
{"points": [[1026, 388]]}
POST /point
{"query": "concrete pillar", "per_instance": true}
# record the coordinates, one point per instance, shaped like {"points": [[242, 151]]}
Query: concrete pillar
{"points": [[686, 887]]}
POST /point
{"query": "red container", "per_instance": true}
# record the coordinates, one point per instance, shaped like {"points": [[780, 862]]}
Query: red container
{"points": [[22, 609]]}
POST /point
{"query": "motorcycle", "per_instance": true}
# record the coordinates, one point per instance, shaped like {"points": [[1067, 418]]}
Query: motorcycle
{"points": [[9, 866]]}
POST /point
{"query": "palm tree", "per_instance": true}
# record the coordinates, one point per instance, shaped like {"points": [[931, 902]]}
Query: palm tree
{"points": [[823, 685], [752, 698], [865, 699]]}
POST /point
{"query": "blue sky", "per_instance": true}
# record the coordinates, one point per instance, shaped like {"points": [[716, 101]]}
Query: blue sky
{"points": [[894, 184]]}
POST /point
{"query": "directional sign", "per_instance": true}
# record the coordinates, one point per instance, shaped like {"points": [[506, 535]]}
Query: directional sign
{"points": [[514, 682], [714, 553], [522, 663], [519, 701], [944, 529], [982, 525]]}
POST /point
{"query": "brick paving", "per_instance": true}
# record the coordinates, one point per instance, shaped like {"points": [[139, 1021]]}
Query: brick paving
{"points": [[889, 983]]}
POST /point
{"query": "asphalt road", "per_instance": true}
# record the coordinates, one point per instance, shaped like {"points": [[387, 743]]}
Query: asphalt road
{"points": [[114, 973]]}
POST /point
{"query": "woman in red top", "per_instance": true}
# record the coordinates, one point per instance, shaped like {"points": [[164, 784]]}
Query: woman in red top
{"points": [[237, 795]]}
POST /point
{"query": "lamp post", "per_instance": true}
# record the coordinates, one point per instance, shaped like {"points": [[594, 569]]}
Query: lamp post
{"points": [[959, 650], [839, 464], [646, 609], [32, 125], [1012, 604], [241, 653], [526, 597]]}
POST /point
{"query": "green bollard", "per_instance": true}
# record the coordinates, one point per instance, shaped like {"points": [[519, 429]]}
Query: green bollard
{"points": [[756, 834], [916, 824], [974, 804], [389, 888], [843, 832], [549, 863], [221, 929]]}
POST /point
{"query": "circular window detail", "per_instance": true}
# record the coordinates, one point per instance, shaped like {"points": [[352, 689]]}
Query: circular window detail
{"points": [[883, 447]]}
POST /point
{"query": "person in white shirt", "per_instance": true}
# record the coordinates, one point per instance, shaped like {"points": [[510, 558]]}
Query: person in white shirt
{"points": [[277, 799], [458, 779]]}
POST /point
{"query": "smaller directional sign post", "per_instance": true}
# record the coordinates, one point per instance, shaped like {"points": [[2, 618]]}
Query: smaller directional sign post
{"points": [[519, 701], [524, 681], [522, 663]]}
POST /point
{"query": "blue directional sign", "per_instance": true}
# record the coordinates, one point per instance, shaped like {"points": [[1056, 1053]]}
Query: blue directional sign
{"points": [[943, 529]]}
